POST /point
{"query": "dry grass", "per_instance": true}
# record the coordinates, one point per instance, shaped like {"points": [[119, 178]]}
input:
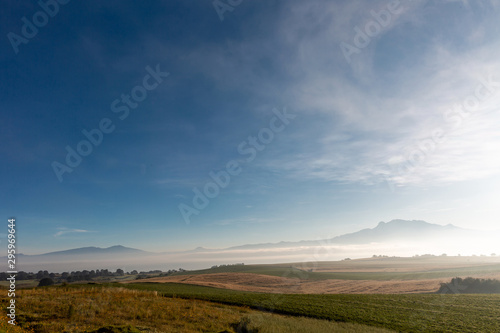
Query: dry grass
{"points": [[5, 327], [85, 309]]}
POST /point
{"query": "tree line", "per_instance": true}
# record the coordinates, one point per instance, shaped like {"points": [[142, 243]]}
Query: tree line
{"points": [[84, 275], [470, 285]]}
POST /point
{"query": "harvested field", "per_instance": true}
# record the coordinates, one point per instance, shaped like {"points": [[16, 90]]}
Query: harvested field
{"points": [[274, 284], [402, 264], [392, 275]]}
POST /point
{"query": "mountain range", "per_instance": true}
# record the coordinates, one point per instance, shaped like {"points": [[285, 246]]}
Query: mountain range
{"points": [[384, 232], [397, 237], [400, 230], [91, 250]]}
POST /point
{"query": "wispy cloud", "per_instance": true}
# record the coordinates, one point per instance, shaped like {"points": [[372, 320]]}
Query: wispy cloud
{"points": [[386, 105], [244, 220], [64, 231], [389, 110]]}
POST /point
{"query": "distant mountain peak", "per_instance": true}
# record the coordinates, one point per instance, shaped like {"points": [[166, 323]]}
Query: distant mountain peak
{"points": [[115, 249], [397, 229]]}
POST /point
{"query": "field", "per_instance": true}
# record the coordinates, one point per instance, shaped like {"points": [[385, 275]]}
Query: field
{"points": [[379, 269], [274, 284], [111, 309], [365, 295], [167, 307], [407, 313], [375, 275]]}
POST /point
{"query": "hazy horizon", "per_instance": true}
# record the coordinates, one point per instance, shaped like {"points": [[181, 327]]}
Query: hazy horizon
{"points": [[317, 239], [396, 238]]}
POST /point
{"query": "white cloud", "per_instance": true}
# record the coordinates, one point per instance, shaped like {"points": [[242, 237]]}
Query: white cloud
{"points": [[376, 114], [244, 220], [388, 120], [64, 231]]}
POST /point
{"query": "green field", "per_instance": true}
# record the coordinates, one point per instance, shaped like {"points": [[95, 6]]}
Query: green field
{"points": [[408, 313], [20, 284], [191, 308], [81, 308]]}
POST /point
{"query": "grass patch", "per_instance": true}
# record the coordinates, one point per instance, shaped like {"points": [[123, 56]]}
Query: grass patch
{"points": [[272, 323], [87, 308], [20, 284], [408, 313], [82, 308]]}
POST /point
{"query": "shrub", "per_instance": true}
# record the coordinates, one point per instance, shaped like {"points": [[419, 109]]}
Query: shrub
{"points": [[117, 329], [46, 282], [470, 285]]}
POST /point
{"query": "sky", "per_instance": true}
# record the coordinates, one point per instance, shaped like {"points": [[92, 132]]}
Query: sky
{"points": [[169, 125]]}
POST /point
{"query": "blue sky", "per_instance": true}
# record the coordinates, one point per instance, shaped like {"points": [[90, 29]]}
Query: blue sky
{"points": [[402, 125]]}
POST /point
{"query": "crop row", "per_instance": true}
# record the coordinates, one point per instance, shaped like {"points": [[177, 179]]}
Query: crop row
{"points": [[409, 313]]}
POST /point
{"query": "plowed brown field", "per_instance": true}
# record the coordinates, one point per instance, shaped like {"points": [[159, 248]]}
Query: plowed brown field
{"points": [[274, 284]]}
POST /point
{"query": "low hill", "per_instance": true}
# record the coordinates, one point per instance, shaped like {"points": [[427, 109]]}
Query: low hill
{"points": [[91, 250]]}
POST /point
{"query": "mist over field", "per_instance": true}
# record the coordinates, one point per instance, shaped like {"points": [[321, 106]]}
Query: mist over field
{"points": [[395, 238]]}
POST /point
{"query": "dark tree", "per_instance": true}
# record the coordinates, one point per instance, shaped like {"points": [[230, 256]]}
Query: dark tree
{"points": [[46, 282]]}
